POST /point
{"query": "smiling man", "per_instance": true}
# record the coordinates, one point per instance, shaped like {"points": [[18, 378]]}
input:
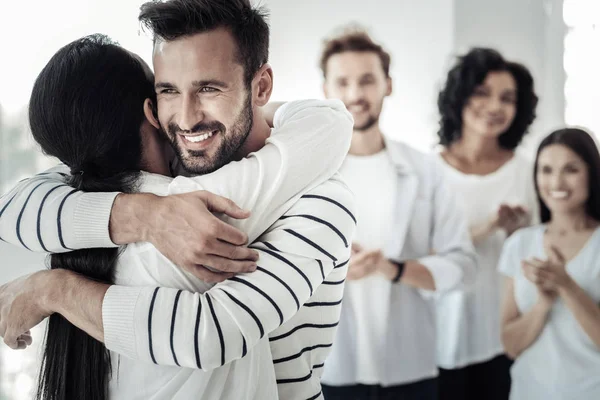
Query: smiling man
{"points": [[202, 146], [411, 240], [212, 83]]}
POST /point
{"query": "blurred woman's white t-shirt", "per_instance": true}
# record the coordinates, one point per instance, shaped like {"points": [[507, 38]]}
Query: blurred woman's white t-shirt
{"points": [[563, 363], [468, 321]]}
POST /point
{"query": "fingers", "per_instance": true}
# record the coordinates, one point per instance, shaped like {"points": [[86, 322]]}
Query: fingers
{"points": [[544, 275], [21, 342], [21, 345], [10, 339], [532, 272], [362, 264], [512, 216], [356, 248], [228, 233], [227, 250], [503, 207], [501, 214], [18, 343], [529, 272], [507, 216], [539, 275], [221, 264], [535, 262], [520, 210], [357, 272], [354, 276], [556, 256], [548, 287], [216, 203], [224, 265], [209, 276], [26, 338], [363, 257]]}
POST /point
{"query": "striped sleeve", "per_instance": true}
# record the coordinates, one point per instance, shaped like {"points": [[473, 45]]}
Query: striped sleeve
{"points": [[45, 214], [173, 327]]}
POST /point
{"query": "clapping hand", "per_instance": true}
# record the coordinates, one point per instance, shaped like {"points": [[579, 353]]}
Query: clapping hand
{"points": [[363, 262], [512, 218], [548, 275]]}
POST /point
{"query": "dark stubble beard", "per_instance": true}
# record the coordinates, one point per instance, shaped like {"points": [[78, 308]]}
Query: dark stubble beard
{"points": [[367, 125], [372, 119], [199, 162]]}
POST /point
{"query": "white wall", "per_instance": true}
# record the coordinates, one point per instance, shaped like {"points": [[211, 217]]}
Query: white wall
{"points": [[418, 34], [48, 26]]}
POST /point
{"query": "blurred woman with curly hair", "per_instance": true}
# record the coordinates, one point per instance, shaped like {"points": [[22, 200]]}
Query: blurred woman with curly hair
{"points": [[486, 108]]}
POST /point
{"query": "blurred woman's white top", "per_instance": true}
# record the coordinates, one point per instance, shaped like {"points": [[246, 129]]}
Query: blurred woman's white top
{"points": [[469, 320], [563, 363]]}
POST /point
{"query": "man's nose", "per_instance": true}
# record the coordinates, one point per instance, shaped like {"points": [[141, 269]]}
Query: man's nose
{"points": [[190, 113]]}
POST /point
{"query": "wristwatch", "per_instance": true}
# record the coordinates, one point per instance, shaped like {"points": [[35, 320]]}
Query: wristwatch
{"points": [[400, 266]]}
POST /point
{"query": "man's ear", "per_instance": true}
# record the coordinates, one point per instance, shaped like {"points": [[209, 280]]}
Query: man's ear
{"points": [[262, 85], [151, 113], [388, 92]]}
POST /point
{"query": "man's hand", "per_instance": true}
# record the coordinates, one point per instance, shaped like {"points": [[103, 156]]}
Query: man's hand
{"points": [[363, 262], [183, 228], [22, 308]]}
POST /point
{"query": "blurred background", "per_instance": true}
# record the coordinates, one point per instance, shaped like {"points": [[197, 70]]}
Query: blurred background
{"points": [[558, 40]]}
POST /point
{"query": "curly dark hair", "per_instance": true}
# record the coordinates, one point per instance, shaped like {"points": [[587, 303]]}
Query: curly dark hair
{"points": [[469, 72]]}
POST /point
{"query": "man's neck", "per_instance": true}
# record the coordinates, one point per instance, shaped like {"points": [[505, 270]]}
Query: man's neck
{"points": [[256, 138], [156, 153], [367, 142]]}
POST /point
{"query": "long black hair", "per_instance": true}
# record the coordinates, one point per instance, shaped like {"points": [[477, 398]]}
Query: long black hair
{"points": [[582, 144], [86, 109], [469, 72]]}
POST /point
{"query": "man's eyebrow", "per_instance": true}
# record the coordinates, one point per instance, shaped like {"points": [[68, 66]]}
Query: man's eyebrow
{"points": [[210, 82], [163, 85]]}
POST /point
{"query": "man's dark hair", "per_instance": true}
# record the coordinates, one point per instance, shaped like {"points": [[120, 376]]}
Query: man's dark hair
{"points": [[353, 40], [469, 72], [173, 19], [86, 109]]}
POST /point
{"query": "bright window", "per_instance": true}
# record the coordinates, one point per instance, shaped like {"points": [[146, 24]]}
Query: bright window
{"points": [[582, 63]]}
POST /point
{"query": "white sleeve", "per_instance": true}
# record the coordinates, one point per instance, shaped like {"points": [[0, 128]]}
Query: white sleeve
{"points": [[43, 213], [308, 144], [178, 327], [454, 264]]}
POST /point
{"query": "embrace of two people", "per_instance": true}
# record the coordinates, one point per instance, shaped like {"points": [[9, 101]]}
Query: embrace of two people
{"points": [[152, 291]]}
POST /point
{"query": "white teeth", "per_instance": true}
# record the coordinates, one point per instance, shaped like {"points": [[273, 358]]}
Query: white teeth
{"points": [[559, 194], [199, 138], [356, 108]]}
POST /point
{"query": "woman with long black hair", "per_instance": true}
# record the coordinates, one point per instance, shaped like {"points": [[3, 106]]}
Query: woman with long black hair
{"points": [[91, 107], [551, 313]]}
